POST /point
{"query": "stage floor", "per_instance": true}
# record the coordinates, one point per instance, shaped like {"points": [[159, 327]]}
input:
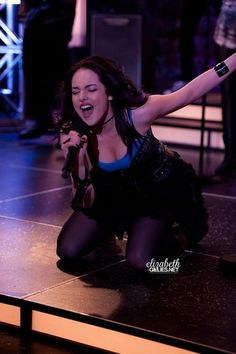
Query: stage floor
{"points": [[104, 303]]}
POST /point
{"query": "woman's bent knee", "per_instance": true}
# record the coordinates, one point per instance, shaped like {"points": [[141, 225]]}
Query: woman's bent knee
{"points": [[138, 262], [75, 240], [67, 252]]}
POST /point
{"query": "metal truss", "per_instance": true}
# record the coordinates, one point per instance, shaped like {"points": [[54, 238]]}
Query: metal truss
{"points": [[11, 75]]}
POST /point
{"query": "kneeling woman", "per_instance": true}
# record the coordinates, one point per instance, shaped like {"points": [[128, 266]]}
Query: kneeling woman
{"points": [[124, 178]]}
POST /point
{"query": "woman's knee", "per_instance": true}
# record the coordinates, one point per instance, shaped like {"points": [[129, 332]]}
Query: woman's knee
{"points": [[75, 238], [73, 251], [137, 261], [66, 251]]}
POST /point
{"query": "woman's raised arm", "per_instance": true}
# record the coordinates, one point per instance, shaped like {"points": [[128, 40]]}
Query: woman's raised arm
{"points": [[161, 105]]}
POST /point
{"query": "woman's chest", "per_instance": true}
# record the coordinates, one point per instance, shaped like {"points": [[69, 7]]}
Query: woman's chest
{"points": [[109, 149]]}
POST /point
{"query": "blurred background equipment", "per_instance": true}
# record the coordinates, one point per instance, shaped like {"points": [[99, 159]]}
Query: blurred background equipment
{"points": [[119, 37], [11, 77]]}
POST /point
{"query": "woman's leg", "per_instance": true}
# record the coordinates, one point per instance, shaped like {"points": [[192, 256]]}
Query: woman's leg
{"points": [[79, 236], [150, 238]]}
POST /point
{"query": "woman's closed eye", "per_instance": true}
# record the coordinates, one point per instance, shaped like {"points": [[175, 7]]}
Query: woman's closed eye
{"points": [[92, 89], [89, 88], [75, 92]]}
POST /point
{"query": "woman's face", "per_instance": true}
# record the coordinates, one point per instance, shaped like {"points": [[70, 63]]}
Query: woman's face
{"points": [[89, 97]]}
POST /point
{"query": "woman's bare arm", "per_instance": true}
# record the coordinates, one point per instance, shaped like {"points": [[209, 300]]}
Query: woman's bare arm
{"points": [[161, 105]]}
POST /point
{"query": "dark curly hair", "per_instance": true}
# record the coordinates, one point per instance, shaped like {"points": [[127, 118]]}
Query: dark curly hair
{"points": [[118, 85]]}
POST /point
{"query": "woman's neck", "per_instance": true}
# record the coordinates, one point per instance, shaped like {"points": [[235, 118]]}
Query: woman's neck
{"points": [[106, 127]]}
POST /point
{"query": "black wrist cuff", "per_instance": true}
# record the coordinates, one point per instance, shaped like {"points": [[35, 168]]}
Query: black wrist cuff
{"points": [[221, 69]]}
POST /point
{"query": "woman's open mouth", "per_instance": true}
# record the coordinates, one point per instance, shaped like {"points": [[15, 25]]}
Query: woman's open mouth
{"points": [[87, 110]]}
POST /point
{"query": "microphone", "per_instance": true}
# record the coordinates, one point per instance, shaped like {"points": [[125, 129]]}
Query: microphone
{"points": [[69, 161]]}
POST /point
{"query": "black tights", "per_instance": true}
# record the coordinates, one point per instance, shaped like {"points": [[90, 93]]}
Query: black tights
{"points": [[147, 238]]}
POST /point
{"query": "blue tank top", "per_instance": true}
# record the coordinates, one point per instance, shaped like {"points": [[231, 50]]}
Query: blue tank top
{"points": [[126, 160]]}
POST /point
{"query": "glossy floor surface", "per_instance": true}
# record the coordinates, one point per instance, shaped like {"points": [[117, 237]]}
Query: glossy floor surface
{"points": [[197, 304]]}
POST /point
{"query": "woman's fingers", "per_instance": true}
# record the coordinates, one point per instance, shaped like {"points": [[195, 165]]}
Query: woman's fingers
{"points": [[71, 139]]}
